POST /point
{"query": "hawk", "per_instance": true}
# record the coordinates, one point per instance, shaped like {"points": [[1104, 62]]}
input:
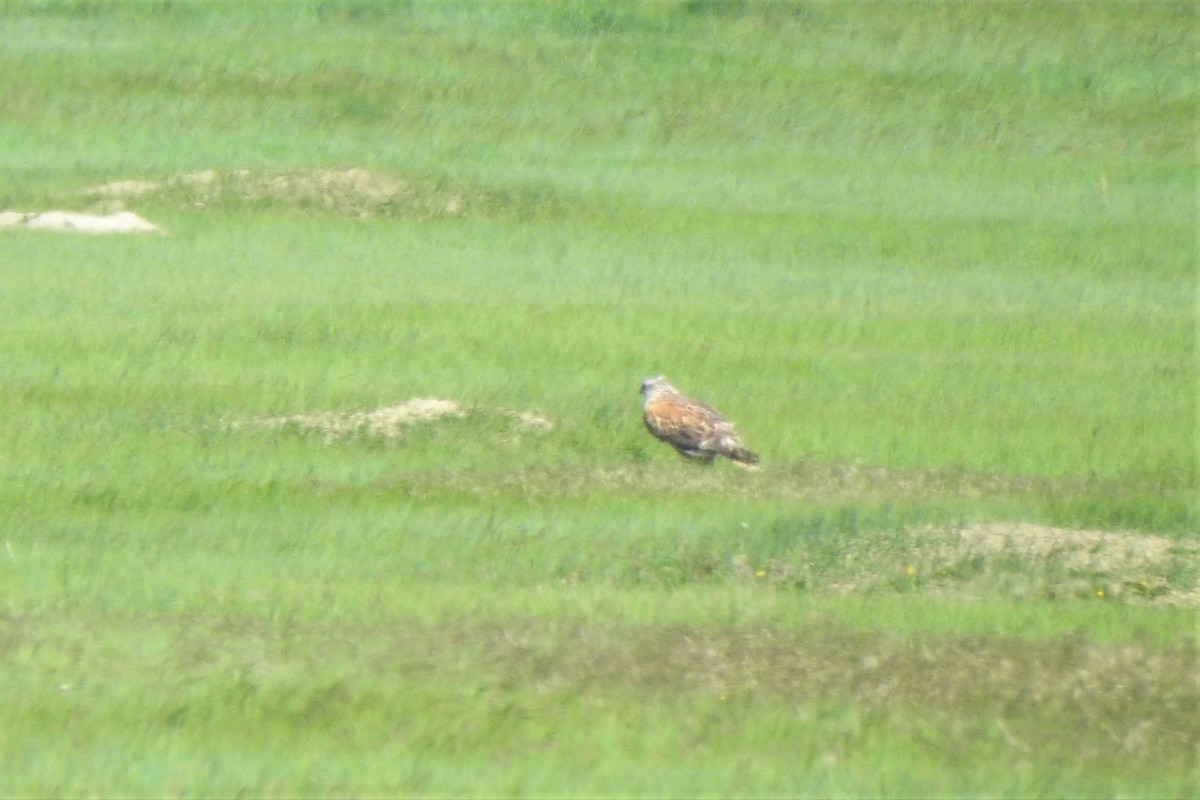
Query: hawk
{"points": [[693, 428]]}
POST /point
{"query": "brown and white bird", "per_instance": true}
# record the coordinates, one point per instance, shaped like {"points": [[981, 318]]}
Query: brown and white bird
{"points": [[695, 429]]}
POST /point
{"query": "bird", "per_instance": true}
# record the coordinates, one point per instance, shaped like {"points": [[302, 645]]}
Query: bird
{"points": [[695, 429]]}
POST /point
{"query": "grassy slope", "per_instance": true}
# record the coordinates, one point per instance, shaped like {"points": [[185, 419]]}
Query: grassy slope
{"points": [[952, 244]]}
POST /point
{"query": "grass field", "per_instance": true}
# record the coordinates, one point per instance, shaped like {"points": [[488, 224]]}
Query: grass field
{"points": [[936, 260]]}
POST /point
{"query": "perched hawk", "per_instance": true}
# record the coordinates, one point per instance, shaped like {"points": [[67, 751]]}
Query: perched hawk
{"points": [[693, 428]]}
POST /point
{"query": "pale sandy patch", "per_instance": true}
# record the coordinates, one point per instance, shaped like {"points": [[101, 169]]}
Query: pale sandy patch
{"points": [[78, 222]]}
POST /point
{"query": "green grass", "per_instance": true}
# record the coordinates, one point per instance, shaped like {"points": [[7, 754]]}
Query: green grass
{"points": [[937, 261]]}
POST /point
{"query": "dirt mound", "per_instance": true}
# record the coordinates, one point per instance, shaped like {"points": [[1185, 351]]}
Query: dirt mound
{"points": [[989, 559], [354, 191], [1079, 549], [1122, 562], [391, 422], [387, 422]]}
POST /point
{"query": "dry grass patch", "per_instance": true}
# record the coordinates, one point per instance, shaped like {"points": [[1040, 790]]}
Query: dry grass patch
{"points": [[1080, 549], [351, 191], [390, 422], [1029, 560]]}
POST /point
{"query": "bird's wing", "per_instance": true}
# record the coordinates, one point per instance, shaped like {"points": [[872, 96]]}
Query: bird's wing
{"points": [[724, 438], [685, 423]]}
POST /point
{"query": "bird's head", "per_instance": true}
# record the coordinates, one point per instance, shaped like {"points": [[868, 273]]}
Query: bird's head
{"points": [[656, 387]]}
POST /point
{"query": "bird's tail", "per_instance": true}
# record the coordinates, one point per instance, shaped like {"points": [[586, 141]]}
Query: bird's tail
{"points": [[744, 458]]}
